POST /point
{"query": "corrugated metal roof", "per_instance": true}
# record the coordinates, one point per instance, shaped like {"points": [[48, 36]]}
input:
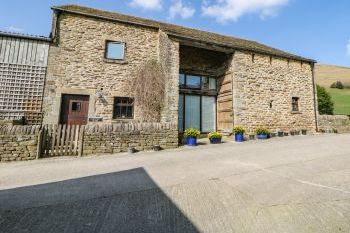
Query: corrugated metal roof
{"points": [[24, 36]]}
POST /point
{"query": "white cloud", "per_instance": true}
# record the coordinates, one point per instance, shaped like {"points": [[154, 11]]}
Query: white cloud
{"points": [[348, 47], [14, 29], [178, 8], [232, 10], [147, 4]]}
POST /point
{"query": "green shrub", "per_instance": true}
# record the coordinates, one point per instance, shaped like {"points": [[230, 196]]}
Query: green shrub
{"points": [[214, 135], [325, 103], [338, 85], [260, 131], [238, 129], [191, 132]]}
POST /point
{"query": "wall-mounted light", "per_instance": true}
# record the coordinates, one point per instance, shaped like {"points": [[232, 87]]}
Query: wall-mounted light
{"points": [[99, 93]]}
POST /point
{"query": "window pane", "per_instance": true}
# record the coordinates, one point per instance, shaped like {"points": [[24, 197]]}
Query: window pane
{"points": [[117, 111], [295, 104], [212, 83], [115, 50], [193, 81], [123, 114], [182, 80], [76, 106], [129, 112], [192, 110], [123, 107], [208, 113], [181, 113]]}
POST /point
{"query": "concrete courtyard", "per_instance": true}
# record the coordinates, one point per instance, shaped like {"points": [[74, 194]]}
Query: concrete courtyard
{"points": [[292, 184]]}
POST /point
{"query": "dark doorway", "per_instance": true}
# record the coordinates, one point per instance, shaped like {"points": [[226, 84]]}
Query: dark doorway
{"points": [[74, 109]]}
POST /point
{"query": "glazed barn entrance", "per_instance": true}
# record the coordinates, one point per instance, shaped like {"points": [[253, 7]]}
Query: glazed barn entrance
{"points": [[204, 90]]}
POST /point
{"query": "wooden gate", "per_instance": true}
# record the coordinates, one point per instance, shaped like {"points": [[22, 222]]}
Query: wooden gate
{"points": [[224, 104], [61, 140]]}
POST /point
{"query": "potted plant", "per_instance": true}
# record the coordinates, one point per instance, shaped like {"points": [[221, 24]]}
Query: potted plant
{"points": [[262, 133], [191, 135], [215, 137], [303, 131], [238, 131]]}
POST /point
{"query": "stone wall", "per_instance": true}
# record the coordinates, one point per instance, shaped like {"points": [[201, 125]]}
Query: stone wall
{"points": [[21, 142], [77, 65], [168, 56], [334, 123], [202, 61], [18, 143], [103, 139], [259, 80]]}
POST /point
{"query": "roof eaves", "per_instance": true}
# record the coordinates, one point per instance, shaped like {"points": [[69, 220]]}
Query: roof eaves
{"points": [[103, 17], [291, 56], [25, 36], [148, 25]]}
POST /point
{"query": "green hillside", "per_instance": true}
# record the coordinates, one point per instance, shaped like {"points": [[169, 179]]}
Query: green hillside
{"points": [[328, 74]]}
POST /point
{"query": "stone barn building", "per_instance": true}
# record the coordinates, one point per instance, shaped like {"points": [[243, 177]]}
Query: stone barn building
{"points": [[213, 82]]}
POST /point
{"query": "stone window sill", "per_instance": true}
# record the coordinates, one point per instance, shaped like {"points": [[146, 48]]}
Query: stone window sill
{"points": [[122, 62], [295, 112], [122, 120]]}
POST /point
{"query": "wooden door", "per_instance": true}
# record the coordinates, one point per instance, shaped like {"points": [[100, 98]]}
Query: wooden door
{"points": [[224, 104], [74, 109]]}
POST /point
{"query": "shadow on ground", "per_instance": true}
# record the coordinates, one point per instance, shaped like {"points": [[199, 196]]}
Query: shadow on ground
{"points": [[126, 201]]}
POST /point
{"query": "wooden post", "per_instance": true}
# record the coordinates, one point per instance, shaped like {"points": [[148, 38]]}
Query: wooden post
{"points": [[63, 150], [40, 143], [59, 146], [54, 129], [67, 140], [81, 139], [70, 140]]}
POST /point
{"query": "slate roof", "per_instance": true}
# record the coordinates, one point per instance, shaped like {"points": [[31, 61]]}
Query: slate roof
{"points": [[190, 33]]}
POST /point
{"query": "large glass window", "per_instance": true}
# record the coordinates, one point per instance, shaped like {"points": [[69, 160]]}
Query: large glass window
{"points": [[193, 81], [115, 50], [123, 108], [182, 80], [212, 83], [192, 112], [181, 113], [198, 82], [198, 112], [208, 113]]}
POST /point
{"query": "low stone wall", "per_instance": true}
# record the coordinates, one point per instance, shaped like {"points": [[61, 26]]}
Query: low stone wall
{"points": [[334, 123], [21, 142], [18, 142], [102, 139]]}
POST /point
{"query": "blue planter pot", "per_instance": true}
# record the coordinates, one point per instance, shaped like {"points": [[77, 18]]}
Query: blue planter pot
{"points": [[191, 141], [215, 140], [262, 136], [239, 137]]}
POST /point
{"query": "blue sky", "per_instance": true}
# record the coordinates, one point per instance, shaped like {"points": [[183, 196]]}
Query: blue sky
{"points": [[317, 29]]}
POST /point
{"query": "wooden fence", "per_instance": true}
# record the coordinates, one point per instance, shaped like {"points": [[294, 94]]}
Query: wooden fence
{"points": [[60, 140]]}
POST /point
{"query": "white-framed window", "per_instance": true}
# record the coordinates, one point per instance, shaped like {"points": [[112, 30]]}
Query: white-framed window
{"points": [[115, 50]]}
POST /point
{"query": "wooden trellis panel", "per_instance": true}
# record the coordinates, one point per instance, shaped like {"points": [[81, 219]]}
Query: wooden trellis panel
{"points": [[22, 75], [61, 140]]}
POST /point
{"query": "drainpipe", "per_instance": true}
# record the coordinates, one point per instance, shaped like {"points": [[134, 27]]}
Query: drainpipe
{"points": [[315, 95]]}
